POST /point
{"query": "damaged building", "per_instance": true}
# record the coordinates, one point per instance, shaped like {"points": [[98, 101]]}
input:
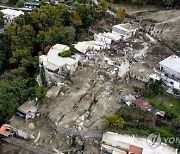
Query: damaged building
{"points": [[125, 30]]}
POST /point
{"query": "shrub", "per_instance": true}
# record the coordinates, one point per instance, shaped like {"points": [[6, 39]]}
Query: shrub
{"points": [[66, 53], [175, 91], [40, 93], [42, 75], [114, 123], [121, 13], [72, 48], [154, 88], [20, 4]]}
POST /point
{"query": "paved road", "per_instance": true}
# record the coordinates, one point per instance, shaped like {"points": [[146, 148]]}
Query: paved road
{"points": [[33, 148], [15, 8], [82, 133], [22, 144]]}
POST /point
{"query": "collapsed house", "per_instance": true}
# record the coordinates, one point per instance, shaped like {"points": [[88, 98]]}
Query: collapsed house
{"points": [[58, 69], [84, 46], [143, 104], [28, 110], [142, 72], [6, 131], [9, 14], [119, 32], [128, 99], [108, 38], [114, 143]]}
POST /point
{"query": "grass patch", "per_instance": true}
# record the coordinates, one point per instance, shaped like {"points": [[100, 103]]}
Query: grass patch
{"points": [[165, 103]]}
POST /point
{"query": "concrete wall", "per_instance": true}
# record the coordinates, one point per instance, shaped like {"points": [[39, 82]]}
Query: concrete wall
{"points": [[170, 71], [128, 35], [53, 77], [60, 76]]}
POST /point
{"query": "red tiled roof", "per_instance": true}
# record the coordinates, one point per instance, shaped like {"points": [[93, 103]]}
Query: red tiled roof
{"points": [[143, 104], [135, 150], [3, 131]]}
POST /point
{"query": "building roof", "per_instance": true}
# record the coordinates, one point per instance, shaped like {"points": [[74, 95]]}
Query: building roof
{"points": [[32, 3], [11, 12], [54, 50], [136, 144], [4, 131], [28, 106], [172, 62], [112, 36], [144, 105], [119, 151], [117, 140], [160, 113], [83, 46], [53, 61], [154, 77], [135, 150], [107, 37], [126, 27], [128, 98]]}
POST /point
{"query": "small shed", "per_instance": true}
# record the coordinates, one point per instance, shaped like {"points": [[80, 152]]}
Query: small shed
{"points": [[5, 131], [128, 99], [143, 104], [27, 110]]}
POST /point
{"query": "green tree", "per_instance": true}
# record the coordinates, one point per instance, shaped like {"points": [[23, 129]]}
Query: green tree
{"points": [[1, 20], [2, 60], [75, 18], [168, 2], [121, 14], [176, 123], [155, 88], [40, 92], [12, 2], [86, 13], [114, 123], [13, 92], [20, 4], [64, 35], [103, 5], [43, 77]]}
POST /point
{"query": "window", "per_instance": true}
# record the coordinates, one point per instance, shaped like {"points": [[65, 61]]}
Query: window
{"points": [[172, 83]]}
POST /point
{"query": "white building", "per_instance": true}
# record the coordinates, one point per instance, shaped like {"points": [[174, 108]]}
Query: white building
{"points": [[171, 66], [125, 30], [124, 144], [10, 14], [57, 68]]}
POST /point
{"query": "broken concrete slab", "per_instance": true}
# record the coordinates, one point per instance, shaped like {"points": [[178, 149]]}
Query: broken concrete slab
{"points": [[53, 92]]}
